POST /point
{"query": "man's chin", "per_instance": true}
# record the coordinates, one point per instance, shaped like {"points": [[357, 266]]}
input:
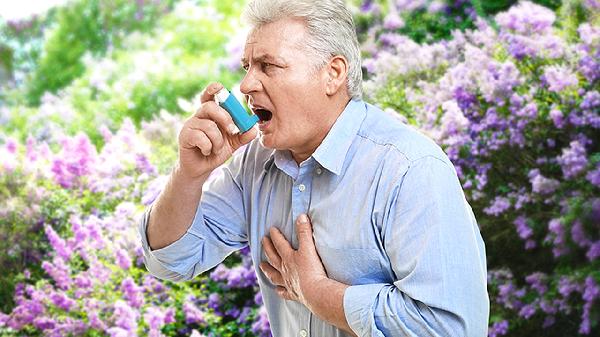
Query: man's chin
{"points": [[266, 141], [269, 142]]}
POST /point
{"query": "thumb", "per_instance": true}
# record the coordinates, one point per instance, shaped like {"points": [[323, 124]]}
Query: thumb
{"points": [[304, 232], [245, 138]]}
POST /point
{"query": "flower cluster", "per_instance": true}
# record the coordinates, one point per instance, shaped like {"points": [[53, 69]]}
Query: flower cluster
{"points": [[89, 278], [516, 110]]}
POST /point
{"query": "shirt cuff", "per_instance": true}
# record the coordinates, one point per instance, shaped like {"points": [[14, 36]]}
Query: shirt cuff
{"points": [[173, 262], [359, 308]]}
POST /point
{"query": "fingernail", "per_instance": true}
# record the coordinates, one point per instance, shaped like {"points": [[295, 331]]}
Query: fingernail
{"points": [[232, 129], [303, 218]]}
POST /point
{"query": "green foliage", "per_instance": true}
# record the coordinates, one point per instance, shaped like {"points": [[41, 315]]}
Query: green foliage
{"points": [[87, 26]]}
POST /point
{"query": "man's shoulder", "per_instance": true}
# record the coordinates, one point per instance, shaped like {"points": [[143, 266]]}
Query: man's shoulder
{"points": [[384, 128]]}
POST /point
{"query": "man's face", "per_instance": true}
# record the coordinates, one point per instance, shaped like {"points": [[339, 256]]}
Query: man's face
{"points": [[283, 89]]}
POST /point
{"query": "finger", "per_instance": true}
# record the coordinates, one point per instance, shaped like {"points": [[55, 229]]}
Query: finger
{"points": [[211, 130], [245, 138], [190, 138], [282, 245], [304, 232], [271, 253], [283, 293], [272, 274], [208, 94], [210, 110]]}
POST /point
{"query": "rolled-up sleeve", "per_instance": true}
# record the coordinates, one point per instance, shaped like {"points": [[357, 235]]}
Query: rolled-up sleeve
{"points": [[438, 259], [218, 229]]}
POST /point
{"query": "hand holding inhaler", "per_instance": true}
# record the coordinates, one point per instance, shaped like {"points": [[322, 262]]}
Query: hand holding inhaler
{"points": [[211, 135]]}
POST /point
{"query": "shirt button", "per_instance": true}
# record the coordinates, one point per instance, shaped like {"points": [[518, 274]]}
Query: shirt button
{"points": [[319, 170], [303, 333], [301, 187]]}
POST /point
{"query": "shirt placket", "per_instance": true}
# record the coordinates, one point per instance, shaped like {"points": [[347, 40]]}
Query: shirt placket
{"points": [[301, 193]]}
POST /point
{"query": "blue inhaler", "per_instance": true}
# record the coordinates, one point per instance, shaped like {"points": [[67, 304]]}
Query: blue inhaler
{"points": [[242, 119]]}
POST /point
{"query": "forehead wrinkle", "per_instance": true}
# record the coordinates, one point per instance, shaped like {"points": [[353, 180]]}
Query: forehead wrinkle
{"points": [[265, 57]]}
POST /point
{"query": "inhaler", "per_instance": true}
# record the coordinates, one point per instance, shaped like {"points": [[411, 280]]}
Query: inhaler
{"points": [[242, 119]]}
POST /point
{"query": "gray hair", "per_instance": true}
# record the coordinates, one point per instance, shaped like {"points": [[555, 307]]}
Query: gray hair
{"points": [[330, 29]]}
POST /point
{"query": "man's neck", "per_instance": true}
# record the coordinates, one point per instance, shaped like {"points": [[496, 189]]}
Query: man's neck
{"points": [[338, 106]]}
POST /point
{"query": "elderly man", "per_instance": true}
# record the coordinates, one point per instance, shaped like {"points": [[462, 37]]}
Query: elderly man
{"points": [[356, 223]]}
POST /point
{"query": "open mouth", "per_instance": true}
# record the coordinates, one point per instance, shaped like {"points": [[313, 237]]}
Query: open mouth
{"points": [[263, 114]]}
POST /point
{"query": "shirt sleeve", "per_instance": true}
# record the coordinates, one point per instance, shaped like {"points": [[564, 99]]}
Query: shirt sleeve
{"points": [[438, 258], [218, 229]]}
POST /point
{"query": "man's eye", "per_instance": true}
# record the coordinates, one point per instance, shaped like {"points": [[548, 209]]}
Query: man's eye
{"points": [[245, 66]]}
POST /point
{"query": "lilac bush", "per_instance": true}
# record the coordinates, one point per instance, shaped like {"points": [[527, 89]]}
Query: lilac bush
{"points": [[516, 110], [88, 278]]}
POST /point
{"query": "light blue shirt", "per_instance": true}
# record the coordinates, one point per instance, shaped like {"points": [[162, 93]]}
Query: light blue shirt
{"points": [[389, 219]]}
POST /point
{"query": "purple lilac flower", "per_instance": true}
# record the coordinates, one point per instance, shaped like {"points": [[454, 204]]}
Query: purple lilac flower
{"points": [[144, 165], [244, 314], [58, 244], [573, 159], [557, 231], [591, 100], [59, 271], [393, 21], [578, 234], [526, 18], [527, 311], [523, 229], [498, 206], [155, 318], [62, 301], [132, 292], [559, 78], [557, 117], [152, 285], [220, 273], [567, 286], [123, 259], [537, 282], [125, 317], [591, 293], [498, 329], [541, 184], [261, 325], [594, 252], [589, 67], [592, 4], [192, 313], [77, 158], [44, 323], [258, 300], [214, 300]]}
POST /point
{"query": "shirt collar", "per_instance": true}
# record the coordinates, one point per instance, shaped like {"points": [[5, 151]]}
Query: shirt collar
{"points": [[334, 147]]}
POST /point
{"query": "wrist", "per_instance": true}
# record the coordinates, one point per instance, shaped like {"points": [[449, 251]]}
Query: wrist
{"points": [[180, 175], [320, 292]]}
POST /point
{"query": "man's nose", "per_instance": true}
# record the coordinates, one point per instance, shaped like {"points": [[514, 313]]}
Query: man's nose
{"points": [[250, 83]]}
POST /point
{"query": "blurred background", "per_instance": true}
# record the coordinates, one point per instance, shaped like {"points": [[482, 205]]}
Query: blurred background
{"points": [[93, 92]]}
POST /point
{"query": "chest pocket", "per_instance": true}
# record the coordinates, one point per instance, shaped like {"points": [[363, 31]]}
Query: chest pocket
{"points": [[353, 266]]}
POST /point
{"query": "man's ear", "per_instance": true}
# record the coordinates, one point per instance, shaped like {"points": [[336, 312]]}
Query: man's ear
{"points": [[337, 72]]}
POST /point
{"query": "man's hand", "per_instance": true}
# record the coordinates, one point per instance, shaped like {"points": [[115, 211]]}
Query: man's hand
{"points": [[294, 272], [209, 137], [300, 275]]}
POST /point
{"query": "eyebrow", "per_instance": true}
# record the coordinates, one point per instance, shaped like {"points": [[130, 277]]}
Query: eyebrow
{"points": [[264, 58]]}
